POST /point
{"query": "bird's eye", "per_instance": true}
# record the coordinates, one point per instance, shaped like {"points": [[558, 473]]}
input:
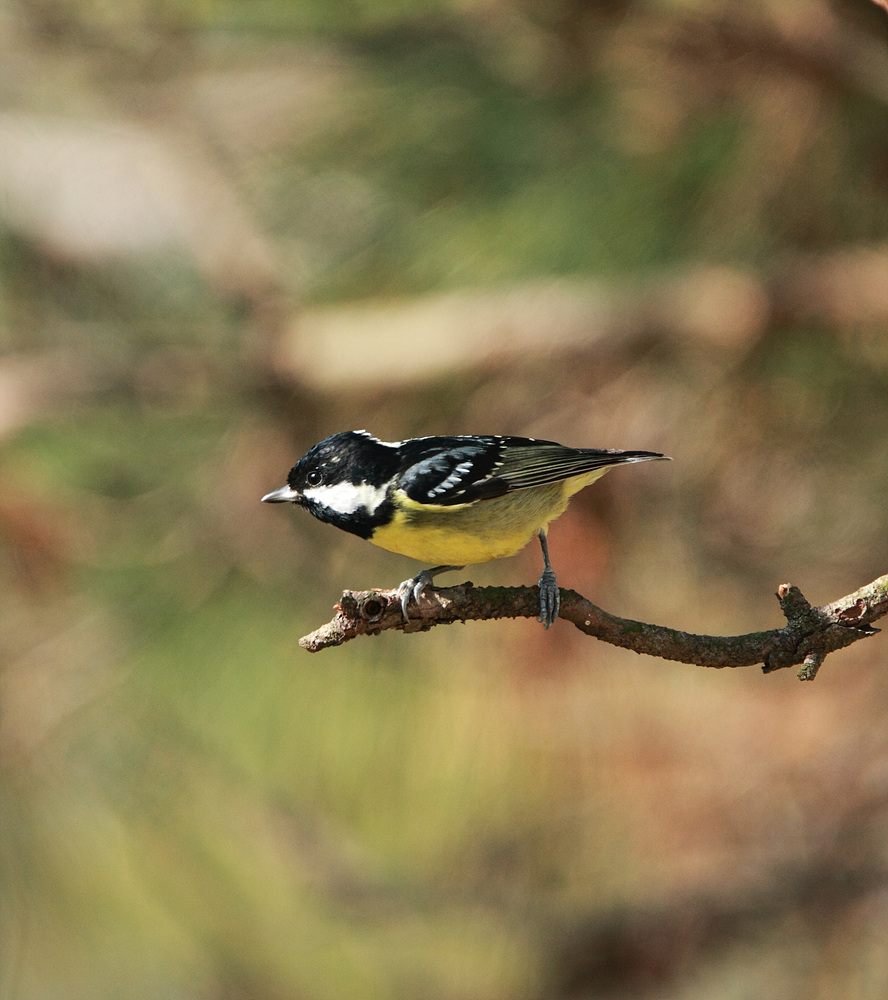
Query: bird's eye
{"points": [[314, 478]]}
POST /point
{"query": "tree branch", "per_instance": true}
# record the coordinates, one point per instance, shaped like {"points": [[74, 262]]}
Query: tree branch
{"points": [[808, 636]]}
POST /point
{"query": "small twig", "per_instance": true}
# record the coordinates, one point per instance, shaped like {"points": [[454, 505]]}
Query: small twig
{"points": [[808, 636]]}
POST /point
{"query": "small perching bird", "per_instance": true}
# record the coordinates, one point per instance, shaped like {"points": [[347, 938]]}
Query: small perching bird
{"points": [[451, 501]]}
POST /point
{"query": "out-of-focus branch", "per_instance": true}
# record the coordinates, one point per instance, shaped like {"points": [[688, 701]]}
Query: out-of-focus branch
{"points": [[385, 345], [400, 343], [808, 636]]}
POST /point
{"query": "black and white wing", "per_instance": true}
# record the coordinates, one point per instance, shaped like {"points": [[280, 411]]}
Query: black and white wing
{"points": [[454, 470], [457, 470]]}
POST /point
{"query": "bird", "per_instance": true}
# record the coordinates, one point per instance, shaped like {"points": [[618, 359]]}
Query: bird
{"points": [[450, 501]]}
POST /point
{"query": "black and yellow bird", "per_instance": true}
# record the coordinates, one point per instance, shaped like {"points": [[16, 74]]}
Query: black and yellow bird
{"points": [[451, 501]]}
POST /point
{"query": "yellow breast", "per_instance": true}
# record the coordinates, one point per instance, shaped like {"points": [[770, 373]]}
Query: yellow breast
{"points": [[463, 534]]}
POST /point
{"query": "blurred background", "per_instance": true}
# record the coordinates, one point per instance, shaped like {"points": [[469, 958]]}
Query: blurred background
{"points": [[228, 229]]}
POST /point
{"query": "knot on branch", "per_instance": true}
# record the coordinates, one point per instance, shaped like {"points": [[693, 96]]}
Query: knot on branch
{"points": [[369, 606]]}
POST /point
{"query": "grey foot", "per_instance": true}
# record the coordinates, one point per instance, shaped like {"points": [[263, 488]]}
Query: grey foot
{"points": [[416, 586], [413, 588], [550, 598]]}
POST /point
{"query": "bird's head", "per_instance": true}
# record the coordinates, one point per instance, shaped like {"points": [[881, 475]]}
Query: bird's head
{"points": [[344, 480]]}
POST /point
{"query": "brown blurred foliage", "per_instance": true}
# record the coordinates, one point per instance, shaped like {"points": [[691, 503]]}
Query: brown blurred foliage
{"points": [[228, 230]]}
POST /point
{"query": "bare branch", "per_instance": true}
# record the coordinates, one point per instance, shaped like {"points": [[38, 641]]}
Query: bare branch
{"points": [[808, 636]]}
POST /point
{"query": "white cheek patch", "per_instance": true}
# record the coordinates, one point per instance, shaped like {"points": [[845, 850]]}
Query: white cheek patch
{"points": [[346, 498]]}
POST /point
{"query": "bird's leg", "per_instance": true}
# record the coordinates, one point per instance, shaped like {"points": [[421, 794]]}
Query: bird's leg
{"points": [[416, 586], [550, 595]]}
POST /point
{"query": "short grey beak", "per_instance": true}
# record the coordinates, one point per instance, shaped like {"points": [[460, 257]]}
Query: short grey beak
{"points": [[286, 494]]}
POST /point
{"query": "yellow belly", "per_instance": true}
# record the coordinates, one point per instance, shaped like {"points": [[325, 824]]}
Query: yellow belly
{"points": [[474, 533]]}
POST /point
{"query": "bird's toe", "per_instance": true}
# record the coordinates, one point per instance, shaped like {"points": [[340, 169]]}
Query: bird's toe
{"points": [[550, 598], [413, 589]]}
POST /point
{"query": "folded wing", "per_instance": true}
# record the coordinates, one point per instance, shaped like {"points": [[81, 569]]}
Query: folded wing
{"points": [[457, 470]]}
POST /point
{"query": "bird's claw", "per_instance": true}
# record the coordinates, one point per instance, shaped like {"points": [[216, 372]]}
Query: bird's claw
{"points": [[550, 598], [414, 587]]}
